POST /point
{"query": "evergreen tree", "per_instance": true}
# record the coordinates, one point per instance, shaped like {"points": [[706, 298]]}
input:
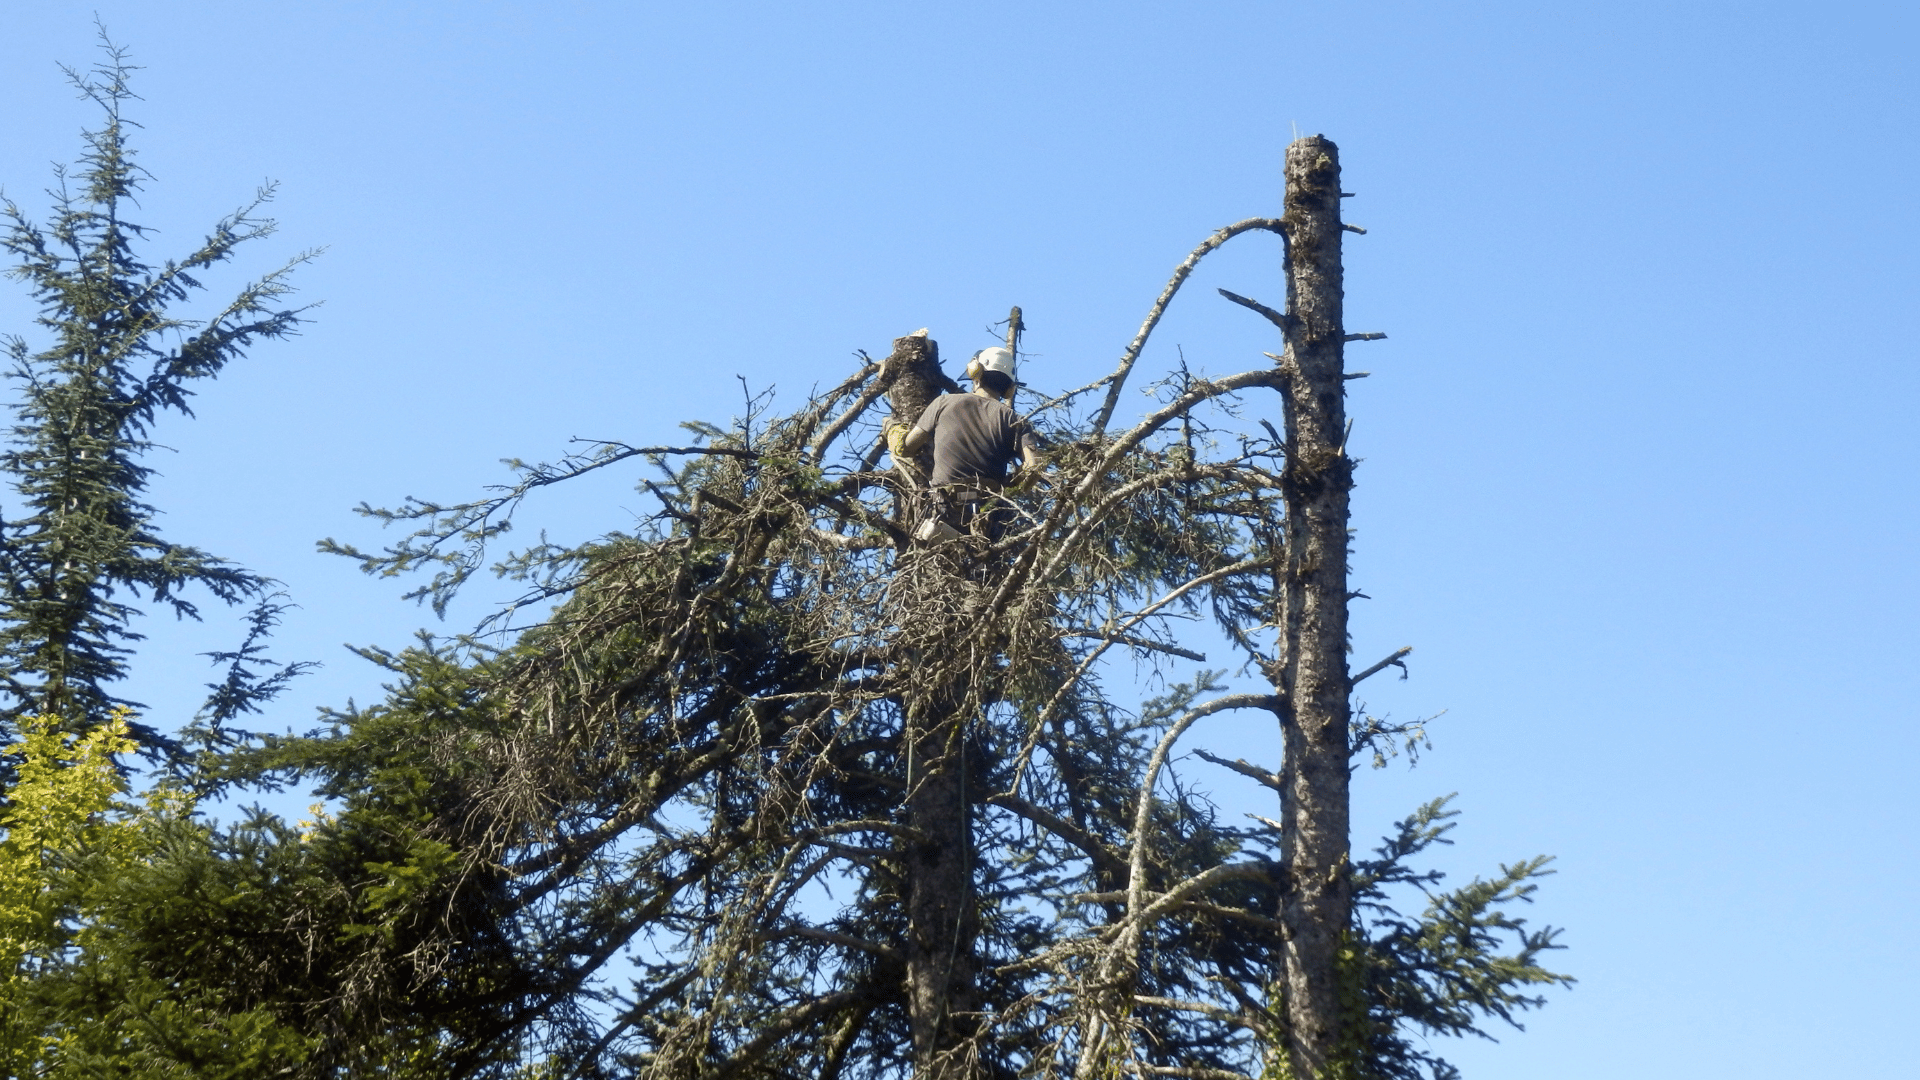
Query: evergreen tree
{"points": [[851, 804], [773, 789], [81, 555]]}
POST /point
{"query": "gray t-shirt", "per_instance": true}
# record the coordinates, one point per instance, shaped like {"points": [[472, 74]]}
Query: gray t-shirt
{"points": [[974, 437]]}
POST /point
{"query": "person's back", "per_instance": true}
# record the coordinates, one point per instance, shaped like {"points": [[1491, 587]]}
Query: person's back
{"points": [[975, 437]]}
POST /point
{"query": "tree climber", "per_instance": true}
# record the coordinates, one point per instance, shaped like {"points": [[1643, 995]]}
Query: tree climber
{"points": [[975, 436]]}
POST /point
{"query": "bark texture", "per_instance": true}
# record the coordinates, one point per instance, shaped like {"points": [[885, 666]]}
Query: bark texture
{"points": [[937, 861], [1311, 669], [914, 379], [942, 916]]}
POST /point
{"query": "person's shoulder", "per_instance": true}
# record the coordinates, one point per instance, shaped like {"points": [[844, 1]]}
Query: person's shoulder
{"points": [[1011, 415], [935, 408], [980, 405], [998, 408]]}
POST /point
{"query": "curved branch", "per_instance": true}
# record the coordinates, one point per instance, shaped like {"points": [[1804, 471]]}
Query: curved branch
{"points": [[1180, 273], [1143, 808], [1177, 896], [1203, 389], [1105, 859], [1125, 956]]}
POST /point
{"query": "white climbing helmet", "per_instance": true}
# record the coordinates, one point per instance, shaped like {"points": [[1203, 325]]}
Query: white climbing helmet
{"points": [[996, 359]]}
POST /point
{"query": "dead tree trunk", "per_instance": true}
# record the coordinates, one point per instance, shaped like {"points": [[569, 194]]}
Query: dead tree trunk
{"points": [[1311, 668], [937, 861]]}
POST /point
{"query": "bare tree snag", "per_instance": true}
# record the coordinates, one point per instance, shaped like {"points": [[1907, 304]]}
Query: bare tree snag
{"points": [[1310, 671], [1015, 327]]}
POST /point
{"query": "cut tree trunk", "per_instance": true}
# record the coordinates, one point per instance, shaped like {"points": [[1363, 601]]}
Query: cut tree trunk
{"points": [[914, 377], [1311, 667], [937, 864]]}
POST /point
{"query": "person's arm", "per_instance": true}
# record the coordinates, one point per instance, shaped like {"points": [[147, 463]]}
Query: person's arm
{"points": [[917, 439], [896, 432], [1031, 459], [1032, 462]]}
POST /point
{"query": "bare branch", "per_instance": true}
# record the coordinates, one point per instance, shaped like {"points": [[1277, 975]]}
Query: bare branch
{"points": [[1134, 642], [1392, 661], [1244, 768], [1178, 895], [860, 405], [1180, 273], [1202, 390], [1225, 1016], [1238, 914], [1274, 317]]}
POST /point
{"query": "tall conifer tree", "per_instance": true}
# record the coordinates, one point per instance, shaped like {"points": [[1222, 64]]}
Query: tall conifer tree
{"points": [[80, 555], [773, 789]]}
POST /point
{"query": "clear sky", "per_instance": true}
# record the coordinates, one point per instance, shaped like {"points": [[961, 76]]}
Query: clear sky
{"points": [[1637, 478]]}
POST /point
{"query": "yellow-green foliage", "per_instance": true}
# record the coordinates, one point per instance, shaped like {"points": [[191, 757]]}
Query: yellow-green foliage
{"points": [[73, 1001], [60, 806]]}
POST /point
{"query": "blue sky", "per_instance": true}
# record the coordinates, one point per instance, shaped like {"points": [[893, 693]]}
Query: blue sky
{"points": [[1637, 478]]}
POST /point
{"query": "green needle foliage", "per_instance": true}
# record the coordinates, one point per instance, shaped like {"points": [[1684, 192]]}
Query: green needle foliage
{"points": [[689, 790], [81, 554], [1442, 972], [769, 790]]}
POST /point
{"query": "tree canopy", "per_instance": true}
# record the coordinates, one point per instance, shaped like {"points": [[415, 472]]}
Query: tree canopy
{"points": [[769, 787]]}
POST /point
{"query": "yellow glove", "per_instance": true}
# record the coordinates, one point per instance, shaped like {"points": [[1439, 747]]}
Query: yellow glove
{"points": [[896, 434]]}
